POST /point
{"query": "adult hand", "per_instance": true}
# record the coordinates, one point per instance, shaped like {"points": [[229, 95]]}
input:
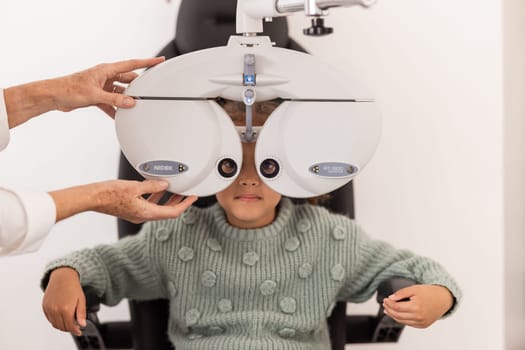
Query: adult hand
{"points": [[92, 87], [426, 304], [64, 303], [96, 86], [121, 198]]}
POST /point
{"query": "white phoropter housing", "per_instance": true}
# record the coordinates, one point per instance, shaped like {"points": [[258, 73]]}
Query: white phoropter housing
{"points": [[317, 140]]}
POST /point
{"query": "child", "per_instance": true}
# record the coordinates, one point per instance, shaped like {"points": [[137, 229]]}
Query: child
{"points": [[253, 271]]}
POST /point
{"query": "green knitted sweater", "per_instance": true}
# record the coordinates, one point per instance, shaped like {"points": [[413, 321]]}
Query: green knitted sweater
{"points": [[267, 288]]}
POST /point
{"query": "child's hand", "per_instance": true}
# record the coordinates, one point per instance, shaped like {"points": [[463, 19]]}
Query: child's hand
{"points": [[64, 303], [427, 304]]}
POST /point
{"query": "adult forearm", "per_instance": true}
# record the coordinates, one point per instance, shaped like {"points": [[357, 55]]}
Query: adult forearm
{"points": [[26, 101], [74, 200], [121, 198]]}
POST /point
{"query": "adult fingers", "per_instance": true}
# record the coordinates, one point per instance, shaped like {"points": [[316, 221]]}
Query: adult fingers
{"points": [[152, 186], [130, 65], [155, 197], [177, 199], [115, 99], [126, 77], [174, 200], [116, 89], [164, 212], [109, 110]]}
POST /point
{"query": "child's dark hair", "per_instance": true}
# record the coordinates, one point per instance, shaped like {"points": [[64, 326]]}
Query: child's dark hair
{"points": [[236, 109], [319, 200]]}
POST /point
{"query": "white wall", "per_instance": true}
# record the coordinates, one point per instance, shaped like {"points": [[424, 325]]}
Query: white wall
{"points": [[41, 39], [434, 186], [514, 189]]}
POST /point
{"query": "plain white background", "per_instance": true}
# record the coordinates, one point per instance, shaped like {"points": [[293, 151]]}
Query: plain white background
{"points": [[440, 183]]}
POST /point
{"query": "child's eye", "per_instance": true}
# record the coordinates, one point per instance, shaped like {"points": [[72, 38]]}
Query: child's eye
{"points": [[227, 167], [269, 168]]}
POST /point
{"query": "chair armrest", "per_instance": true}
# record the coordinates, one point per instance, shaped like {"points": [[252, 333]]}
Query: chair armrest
{"points": [[102, 336], [92, 300], [391, 285], [387, 329], [379, 328]]}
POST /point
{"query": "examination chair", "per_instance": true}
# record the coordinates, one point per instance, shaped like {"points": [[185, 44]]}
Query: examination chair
{"points": [[203, 24]]}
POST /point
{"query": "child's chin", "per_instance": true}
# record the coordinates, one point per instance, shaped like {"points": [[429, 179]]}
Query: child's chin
{"points": [[246, 215]]}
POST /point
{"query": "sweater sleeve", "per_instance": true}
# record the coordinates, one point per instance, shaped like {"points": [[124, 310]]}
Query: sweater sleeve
{"points": [[121, 270], [373, 261]]}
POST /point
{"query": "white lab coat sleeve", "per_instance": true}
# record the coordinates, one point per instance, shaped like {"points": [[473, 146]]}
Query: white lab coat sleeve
{"points": [[25, 220], [4, 126]]}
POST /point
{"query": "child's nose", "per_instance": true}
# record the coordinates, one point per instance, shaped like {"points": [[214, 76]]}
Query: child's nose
{"points": [[248, 176], [249, 181]]}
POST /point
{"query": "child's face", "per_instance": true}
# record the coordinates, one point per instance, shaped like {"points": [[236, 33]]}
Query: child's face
{"points": [[248, 202]]}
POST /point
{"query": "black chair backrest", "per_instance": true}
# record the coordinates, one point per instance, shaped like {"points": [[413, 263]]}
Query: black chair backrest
{"points": [[204, 24]]}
